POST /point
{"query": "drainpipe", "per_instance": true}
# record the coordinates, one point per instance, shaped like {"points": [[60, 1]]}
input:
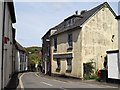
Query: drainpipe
{"points": [[45, 64], [3, 45]]}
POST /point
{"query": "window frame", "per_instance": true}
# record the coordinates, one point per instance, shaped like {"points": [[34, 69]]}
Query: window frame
{"points": [[69, 22], [70, 41], [58, 65], [55, 44], [69, 65]]}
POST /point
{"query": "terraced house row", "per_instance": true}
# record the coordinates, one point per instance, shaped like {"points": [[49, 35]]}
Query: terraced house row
{"points": [[81, 38], [11, 54]]}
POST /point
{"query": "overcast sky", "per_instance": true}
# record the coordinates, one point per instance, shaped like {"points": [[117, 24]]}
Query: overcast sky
{"points": [[34, 19]]}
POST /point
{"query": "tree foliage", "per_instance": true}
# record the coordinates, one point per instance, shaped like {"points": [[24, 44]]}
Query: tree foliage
{"points": [[33, 56], [33, 49]]}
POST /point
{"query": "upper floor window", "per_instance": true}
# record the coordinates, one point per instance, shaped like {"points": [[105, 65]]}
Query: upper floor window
{"points": [[69, 22], [70, 40], [55, 43]]}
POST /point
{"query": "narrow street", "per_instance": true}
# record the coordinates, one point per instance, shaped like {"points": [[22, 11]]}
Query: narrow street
{"points": [[34, 80]]}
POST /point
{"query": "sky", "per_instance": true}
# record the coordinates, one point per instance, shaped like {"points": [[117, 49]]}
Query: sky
{"points": [[34, 19]]}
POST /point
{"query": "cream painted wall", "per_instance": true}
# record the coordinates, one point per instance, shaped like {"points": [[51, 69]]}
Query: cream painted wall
{"points": [[62, 49], [91, 42], [97, 35]]}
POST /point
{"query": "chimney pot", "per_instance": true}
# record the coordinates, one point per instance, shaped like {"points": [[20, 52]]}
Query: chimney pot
{"points": [[76, 12]]}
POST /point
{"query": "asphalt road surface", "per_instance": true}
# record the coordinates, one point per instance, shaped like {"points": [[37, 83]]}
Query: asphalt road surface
{"points": [[33, 80]]}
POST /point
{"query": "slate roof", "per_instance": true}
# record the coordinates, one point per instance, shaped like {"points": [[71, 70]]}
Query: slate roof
{"points": [[81, 19], [19, 47], [118, 17]]}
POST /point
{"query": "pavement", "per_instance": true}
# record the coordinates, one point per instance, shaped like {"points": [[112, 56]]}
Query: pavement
{"points": [[14, 82], [92, 81]]}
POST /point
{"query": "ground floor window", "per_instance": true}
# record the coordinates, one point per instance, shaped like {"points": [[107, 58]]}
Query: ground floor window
{"points": [[58, 65], [69, 65]]}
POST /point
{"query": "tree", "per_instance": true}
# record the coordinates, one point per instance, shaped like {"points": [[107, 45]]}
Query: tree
{"points": [[34, 58]]}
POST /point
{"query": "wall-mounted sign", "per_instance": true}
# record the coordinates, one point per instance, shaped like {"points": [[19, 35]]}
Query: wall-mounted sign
{"points": [[62, 56], [6, 39]]}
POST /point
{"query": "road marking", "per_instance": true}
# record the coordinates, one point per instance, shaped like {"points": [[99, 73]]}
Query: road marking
{"points": [[60, 81], [47, 83], [51, 79], [63, 88], [36, 75], [21, 83]]}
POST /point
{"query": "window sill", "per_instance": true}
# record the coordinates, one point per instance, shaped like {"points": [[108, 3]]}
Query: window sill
{"points": [[55, 50], [69, 49], [57, 70], [68, 71]]}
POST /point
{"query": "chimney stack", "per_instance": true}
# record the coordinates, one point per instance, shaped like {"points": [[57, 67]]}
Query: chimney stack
{"points": [[83, 11], [76, 12]]}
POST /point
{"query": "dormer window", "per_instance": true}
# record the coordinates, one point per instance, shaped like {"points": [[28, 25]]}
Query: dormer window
{"points": [[69, 22]]}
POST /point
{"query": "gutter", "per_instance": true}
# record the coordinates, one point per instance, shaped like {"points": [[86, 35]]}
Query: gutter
{"points": [[117, 17], [66, 30], [3, 45]]}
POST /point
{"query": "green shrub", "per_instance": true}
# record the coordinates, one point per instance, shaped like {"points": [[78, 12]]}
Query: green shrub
{"points": [[89, 71]]}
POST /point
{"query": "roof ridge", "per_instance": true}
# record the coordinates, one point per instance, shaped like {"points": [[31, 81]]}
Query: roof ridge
{"points": [[102, 5], [86, 15]]}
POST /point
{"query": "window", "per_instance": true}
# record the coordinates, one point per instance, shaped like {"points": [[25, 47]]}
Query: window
{"points": [[70, 41], [55, 44], [58, 65], [69, 22], [69, 65], [73, 20]]}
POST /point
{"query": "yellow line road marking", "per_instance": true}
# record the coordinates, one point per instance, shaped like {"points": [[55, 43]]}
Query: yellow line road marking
{"points": [[21, 83]]}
